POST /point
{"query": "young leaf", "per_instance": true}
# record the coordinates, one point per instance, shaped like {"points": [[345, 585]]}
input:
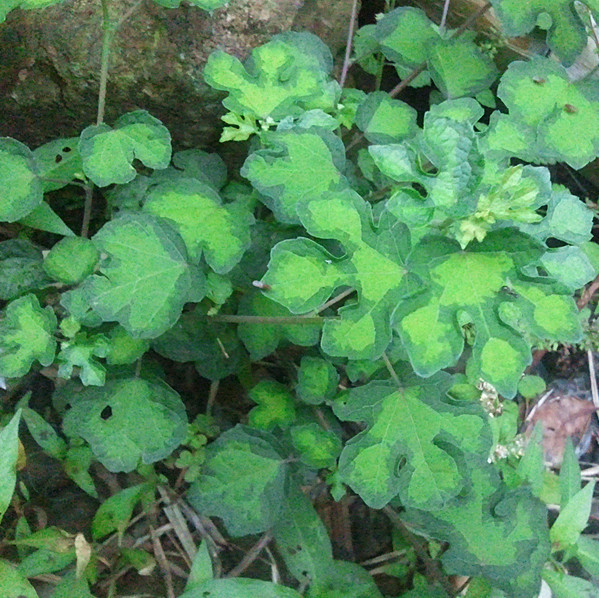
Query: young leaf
{"points": [[81, 352], [298, 166], [317, 380], [145, 278], [261, 340], [21, 189], [417, 426], [498, 534], [108, 153], [26, 335], [9, 452], [220, 232], [21, 269], [201, 567], [127, 421], [573, 518], [566, 36], [239, 588], [243, 481], [12, 583], [473, 282], [302, 274], [302, 539], [275, 406], [123, 348], [71, 260], [283, 77], [550, 118], [316, 446]]}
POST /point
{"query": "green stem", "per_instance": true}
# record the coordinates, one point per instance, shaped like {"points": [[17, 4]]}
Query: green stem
{"points": [[107, 37], [281, 320]]}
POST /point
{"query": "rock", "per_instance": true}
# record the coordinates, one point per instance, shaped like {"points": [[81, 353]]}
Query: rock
{"points": [[51, 61]]}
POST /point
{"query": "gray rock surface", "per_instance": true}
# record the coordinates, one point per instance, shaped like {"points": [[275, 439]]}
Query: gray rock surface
{"points": [[50, 61]]}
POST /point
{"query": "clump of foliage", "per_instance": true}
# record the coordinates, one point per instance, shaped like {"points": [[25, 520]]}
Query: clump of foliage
{"points": [[414, 260]]}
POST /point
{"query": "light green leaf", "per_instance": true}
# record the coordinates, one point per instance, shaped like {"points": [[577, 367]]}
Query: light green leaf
{"points": [[239, 588], [302, 539], [127, 421], [317, 380], [145, 279], [316, 446], [572, 519], [243, 481], [9, 452], [220, 232], [71, 260], [262, 339], [26, 335], [108, 153], [71, 586], [566, 586], [344, 580], [45, 561], [486, 284], [569, 474], [570, 266], [12, 583], [45, 218], [299, 165], [44, 434], [115, 512], [587, 552], [201, 567], [567, 35], [531, 386], [385, 120], [550, 118], [76, 465], [459, 68], [284, 77], [302, 275], [275, 406], [58, 163], [493, 533], [21, 189], [21, 269], [123, 348], [417, 426], [81, 352]]}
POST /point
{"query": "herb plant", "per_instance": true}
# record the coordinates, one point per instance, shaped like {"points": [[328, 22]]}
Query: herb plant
{"points": [[371, 276]]}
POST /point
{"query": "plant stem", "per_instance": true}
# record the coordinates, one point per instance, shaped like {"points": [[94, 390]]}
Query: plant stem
{"points": [[281, 320], [444, 16], [348, 45], [391, 370], [332, 301], [107, 37], [87, 209]]}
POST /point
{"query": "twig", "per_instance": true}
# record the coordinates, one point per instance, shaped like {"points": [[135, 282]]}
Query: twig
{"points": [[593, 377], [444, 16], [175, 517], [432, 566], [588, 293], [161, 559], [87, 210], [212, 396], [251, 555], [333, 301], [348, 46]]}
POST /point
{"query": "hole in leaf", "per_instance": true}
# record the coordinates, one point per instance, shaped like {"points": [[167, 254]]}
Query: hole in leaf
{"points": [[58, 159], [66, 149], [106, 413], [419, 189]]}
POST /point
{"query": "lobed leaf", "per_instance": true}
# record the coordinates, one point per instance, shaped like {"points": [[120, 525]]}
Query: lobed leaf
{"points": [[21, 269]]}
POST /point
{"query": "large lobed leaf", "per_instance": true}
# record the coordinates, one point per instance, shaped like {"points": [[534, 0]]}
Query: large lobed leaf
{"points": [[415, 443], [145, 278]]}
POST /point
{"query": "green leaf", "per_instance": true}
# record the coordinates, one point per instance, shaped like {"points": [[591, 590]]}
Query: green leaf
{"points": [[26, 335], [12, 583], [567, 35], [550, 118], [123, 348], [344, 580], [317, 447], [239, 588], [302, 539], [459, 68], [21, 189], [145, 278], [498, 534], [80, 352], [302, 275], [71, 586], [262, 339], [58, 163], [45, 218], [108, 153], [115, 512], [76, 465], [45, 561], [207, 168], [567, 586], [283, 77], [9, 452], [531, 386], [127, 421], [475, 282], [21, 269], [385, 120], [220, 232], [71, 260], [298, 166], [587, 552], [570, 266], [317, 380], [243, 481], [275, 406], [201, 567], [572, 519], [569, 474], [44, 434], [414, 445]]}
